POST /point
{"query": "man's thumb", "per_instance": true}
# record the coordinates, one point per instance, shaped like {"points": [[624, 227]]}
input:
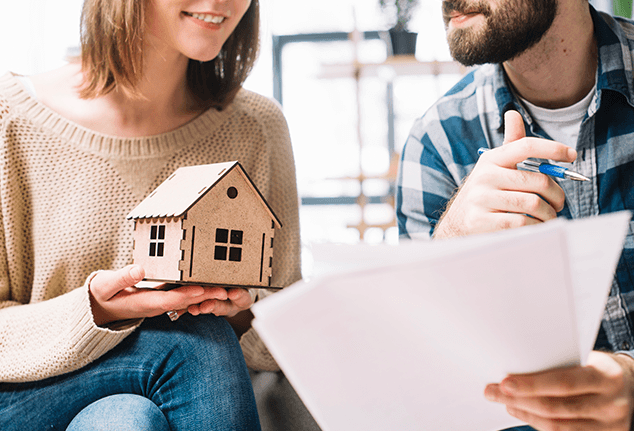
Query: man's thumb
{"points": [[513, 126]]}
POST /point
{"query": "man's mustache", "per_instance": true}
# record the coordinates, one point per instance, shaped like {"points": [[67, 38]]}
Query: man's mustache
{"points": [[452, 7]]}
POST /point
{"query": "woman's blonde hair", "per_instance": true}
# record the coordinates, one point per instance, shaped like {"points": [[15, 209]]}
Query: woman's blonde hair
{"points": [[112, 53]]}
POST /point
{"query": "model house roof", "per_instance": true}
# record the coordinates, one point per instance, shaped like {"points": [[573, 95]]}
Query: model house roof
{"points": [[177, 194]]}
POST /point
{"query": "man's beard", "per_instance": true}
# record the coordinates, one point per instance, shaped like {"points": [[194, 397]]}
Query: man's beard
{"points": [[508, 31]]}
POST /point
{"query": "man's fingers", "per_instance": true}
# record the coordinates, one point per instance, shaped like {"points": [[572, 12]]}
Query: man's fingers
{"points": [[513, 127], [539, 422], [523, 203], [594, 396], [587, 406], [512, 153], [107, 284], [605, 375], [519, 191]]}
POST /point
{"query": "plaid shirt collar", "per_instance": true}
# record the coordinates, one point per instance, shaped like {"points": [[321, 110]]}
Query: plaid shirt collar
{"points": [[611, 72]]}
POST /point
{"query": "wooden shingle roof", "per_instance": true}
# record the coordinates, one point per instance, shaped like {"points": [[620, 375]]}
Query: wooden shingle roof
{"points": [[178, 193]]}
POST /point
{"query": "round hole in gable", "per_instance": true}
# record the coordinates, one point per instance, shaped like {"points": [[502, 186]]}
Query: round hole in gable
{"points": [[232, 192]]}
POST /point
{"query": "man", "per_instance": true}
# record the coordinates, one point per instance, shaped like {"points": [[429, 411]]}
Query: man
{"points": [[556, 84]]}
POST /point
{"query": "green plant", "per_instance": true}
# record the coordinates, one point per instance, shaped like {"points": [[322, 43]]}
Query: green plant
{"points": [[400, 12], [622, 8]]}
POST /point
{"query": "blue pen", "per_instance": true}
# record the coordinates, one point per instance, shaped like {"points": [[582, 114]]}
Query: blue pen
{"points": [[545, 168]]}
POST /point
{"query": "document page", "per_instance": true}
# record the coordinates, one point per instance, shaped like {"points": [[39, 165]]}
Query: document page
{"points": [[407, 337]]}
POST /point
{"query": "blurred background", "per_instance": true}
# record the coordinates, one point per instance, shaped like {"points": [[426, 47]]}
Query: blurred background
{"points": [[349, 96]]}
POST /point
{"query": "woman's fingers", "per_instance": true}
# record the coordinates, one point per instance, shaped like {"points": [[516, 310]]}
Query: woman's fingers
{"points": [[106, 284]]}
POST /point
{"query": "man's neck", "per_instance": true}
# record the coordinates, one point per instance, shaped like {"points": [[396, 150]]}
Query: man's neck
{"points": [[560, 70]]}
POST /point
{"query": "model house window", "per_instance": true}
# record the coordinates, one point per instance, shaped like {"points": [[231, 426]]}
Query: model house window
{"points": [[157, 241], [228, 245]]}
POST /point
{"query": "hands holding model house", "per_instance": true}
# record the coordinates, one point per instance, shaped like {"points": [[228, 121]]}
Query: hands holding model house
{"points": [[114, 297], [206, 228]]}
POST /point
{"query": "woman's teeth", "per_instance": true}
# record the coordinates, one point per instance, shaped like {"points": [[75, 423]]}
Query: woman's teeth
{"points": [[214, 19]]}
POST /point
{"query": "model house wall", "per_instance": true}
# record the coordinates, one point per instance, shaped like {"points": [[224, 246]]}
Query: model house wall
{"points": [[235, 241], [157, 247]]}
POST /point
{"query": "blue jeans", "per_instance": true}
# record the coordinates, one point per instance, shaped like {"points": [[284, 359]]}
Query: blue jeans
{"points": [[192, 370], [120, 412]]}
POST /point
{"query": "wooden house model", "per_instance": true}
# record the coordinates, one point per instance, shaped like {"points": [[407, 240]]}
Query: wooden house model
{"points": [[206, 224]]}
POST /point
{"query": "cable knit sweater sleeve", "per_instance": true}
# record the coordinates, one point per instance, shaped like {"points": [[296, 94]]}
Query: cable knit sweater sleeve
{"points": [[52, 337]]}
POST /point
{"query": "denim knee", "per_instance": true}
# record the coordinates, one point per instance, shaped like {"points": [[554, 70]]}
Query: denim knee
{"points": [[205, 341], [120, 412], [197, 365]]}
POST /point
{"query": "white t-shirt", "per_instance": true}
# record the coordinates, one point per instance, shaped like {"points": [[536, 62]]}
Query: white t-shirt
{"points": [[562, 124]]}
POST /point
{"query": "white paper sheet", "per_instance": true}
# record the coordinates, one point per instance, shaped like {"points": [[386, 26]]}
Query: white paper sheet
{"points": [[409, 338]]}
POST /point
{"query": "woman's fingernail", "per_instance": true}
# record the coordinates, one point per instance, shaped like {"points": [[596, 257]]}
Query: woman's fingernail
{"points": [[136, 272]]}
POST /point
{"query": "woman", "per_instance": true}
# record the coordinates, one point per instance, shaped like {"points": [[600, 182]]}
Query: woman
{"points": [[158, 87]]}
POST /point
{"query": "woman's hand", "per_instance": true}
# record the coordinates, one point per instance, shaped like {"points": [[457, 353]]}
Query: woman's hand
{"points": [[236, 300], [113, 297]]}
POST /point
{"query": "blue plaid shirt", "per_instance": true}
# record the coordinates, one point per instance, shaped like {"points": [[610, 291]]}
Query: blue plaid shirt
{"points": [[442, 149]]}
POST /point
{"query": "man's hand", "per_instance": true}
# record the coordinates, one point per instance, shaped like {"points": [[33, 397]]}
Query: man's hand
{"points": [[598, 396], [114, 297], [497, 196]]}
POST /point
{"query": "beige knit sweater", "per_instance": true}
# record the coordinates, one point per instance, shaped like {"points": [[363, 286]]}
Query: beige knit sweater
{"points": [[65, 192]]}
